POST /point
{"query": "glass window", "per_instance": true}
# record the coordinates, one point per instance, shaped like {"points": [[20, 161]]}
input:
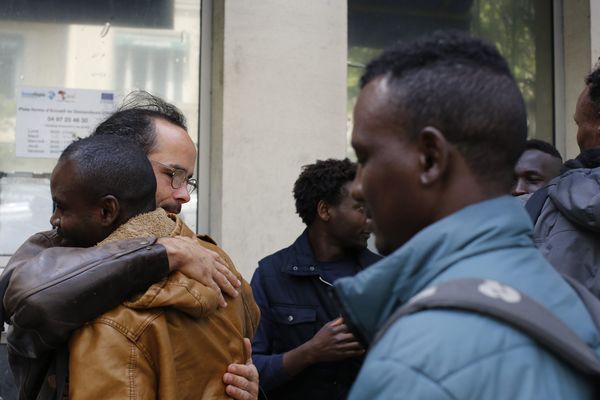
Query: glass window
{"points": [[111, 47], [521, 29]]}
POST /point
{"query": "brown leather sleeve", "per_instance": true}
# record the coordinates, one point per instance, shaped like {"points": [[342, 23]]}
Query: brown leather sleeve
{"points": [[54, 290]]}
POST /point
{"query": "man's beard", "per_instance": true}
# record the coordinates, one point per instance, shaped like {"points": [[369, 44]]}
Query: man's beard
{"points": [[174, 208]]}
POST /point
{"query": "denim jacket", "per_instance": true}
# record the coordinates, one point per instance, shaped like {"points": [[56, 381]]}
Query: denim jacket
{"points": [[295, 303]]}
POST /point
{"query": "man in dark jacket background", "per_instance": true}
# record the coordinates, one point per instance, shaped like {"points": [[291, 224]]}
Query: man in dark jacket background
{"points": [[538, 165], [302, 349], [567, 230]]}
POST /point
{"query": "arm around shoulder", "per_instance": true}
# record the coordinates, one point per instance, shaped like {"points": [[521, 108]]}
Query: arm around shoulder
{"points": [[54, 290]]}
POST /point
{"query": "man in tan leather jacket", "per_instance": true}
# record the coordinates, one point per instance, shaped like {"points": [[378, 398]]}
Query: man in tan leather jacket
{"points": [[171, 341], [52, 289]]}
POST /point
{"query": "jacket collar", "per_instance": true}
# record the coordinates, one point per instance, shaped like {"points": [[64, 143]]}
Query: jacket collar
{"points": [[303, 262], [177, 291], [154, 223], [589, 158], [370, 297]]}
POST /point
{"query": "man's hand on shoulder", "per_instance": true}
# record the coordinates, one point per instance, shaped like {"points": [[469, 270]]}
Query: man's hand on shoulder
{"points": [[201, 264], [242, 379]]}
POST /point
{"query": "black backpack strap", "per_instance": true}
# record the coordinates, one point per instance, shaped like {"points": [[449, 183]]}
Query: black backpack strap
{"points": [[591, 302], [535, 203], [508, 305]]}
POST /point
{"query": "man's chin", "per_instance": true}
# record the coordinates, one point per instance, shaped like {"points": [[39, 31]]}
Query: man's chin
{"points": [[64, 241], [171, 208], [383, 247]]}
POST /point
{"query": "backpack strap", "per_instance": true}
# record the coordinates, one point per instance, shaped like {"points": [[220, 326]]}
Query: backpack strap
{"points": [[506, 304], [535, 203], [590, 301]]}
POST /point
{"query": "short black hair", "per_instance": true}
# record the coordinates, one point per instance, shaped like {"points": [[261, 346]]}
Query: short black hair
{"points": [[462, 86], [115, 165], [592, 80], [323, 180], [135, 118], [545, 147]]}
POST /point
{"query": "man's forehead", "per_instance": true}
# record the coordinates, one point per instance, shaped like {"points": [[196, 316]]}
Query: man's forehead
{"points": [[174, 148], [378, 110], [63, 184], [63, 169], [534, 160], [374, 107], [374, 96]]}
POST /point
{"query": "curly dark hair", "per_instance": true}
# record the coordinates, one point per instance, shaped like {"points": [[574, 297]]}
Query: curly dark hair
{"points": [[323, 180], [134, 118], [462, 86]]}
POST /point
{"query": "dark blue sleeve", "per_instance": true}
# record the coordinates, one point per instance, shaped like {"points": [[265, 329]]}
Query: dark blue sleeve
{"points": [[269, 365]]}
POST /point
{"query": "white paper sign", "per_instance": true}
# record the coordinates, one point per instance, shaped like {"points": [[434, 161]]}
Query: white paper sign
{"points": [[49, 119]]}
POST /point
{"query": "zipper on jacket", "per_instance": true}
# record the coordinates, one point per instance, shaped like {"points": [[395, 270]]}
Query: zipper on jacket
{"points": [[325, 282]]}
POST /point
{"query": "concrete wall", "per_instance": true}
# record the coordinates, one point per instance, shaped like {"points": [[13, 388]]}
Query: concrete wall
{"points": [[278, 102], [580, 47], [577, 45]]}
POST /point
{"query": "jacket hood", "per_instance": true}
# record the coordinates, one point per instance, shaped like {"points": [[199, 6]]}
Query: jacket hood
{"points": [[371, 296], [176, 291], [589, 158], [576, 194]]}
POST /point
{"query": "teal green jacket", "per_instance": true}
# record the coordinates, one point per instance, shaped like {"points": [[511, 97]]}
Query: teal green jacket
{"points": [[451, 354]]}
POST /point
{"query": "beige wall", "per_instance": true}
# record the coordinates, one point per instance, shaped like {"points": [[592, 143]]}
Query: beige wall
{"points": [[581, 48], [279, 102]]}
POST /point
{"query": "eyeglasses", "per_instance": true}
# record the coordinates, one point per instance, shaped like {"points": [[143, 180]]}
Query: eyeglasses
{"points": [[179, 178]]}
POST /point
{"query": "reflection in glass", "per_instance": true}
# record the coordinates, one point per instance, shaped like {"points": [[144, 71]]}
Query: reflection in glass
{"points": [[106, 45], [521, 29]]}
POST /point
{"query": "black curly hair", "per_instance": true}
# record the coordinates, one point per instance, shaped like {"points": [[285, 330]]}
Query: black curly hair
{"points": [[323, 180], [462, 86]]}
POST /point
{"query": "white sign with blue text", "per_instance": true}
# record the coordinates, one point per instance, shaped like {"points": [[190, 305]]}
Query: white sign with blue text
{"points": [[49, 119]]}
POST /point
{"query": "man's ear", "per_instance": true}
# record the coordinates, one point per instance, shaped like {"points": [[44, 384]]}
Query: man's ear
{"points": [[323, 211], [109, 209], [435, 155]]}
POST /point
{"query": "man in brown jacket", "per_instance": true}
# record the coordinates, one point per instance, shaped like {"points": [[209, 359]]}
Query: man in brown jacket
{"points": [[52, 287], [170, 342]]}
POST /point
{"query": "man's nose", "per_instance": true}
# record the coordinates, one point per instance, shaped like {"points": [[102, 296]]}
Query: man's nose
{"points": [[54, 220], [520, 188], [182, 195]]}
